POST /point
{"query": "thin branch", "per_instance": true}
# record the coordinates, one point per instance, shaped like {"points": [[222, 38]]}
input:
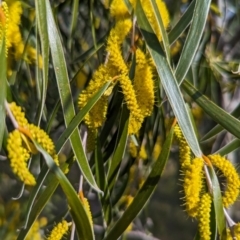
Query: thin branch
{"points": [[10, 115]]}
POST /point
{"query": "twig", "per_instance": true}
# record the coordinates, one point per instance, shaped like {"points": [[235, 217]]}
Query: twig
{"points": [[10, 115]]}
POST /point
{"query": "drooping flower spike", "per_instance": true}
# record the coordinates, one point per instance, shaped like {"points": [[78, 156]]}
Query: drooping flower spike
{"points": [[59, 231], [231, 192], [204, 217], [20, 146]]}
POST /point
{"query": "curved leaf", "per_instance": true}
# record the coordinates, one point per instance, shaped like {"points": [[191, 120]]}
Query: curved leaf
{"points": [[168, 81], [217, 202], [66, 96], [77, 209], [79, 117], [230, 147], [143, 194], [182, 24], [165, 40], [193, 39], [34, 210], [220, 116], [119, 149], [218, 128], [42, 27]]}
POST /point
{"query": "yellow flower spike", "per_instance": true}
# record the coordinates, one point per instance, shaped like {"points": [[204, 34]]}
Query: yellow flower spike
{"points": [[44, 140], [86, 206], [97, 115], [143, 84], [18, 114], [117, 63], [184, 149], [147, 7], [59, 231], [136, 117], [118, 9], [4, 22], [204, 217], [192, 185], [235, 231], [119, 32], [115, 39], [14, 33], [19, 156], [232, 178]]}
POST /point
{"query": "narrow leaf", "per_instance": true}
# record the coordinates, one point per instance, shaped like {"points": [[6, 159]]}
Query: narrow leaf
{"points": [[162, 30], [220, 116], [217, 201], [66, 96], [34, 209], [182, 24], [230, 147], [218, 128], [78, 212], [143, 194], [102, 183], [42, 27], [79, 117], [168, 81], [193, 39], [73, 25], [119, 149]]}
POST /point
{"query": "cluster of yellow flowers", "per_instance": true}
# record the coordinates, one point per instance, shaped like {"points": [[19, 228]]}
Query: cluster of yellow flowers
{"points": [[4, 19], [86, 206], [197, 199], [10, 20], [19, 145], [59, 230], [138, 92]]}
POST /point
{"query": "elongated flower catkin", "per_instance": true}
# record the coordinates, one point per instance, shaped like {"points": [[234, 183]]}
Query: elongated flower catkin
{"points": [[33, 131], [204, 217], [143, 84], [97, 115], [184, 149], [116, 62], [88, 210], [4, 21], [18, 156], [59, 230], [232, 178], [118, 9], [13, 33], [86, 206], [115, 39], [192, 185]]}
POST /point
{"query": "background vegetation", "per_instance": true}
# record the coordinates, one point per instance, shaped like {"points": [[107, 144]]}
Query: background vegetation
{"points": [[134, 192]]}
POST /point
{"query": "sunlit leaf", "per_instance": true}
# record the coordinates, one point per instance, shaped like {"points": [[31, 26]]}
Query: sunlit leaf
{"points": [[66, 95], [143, 195], [168, 81]]}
